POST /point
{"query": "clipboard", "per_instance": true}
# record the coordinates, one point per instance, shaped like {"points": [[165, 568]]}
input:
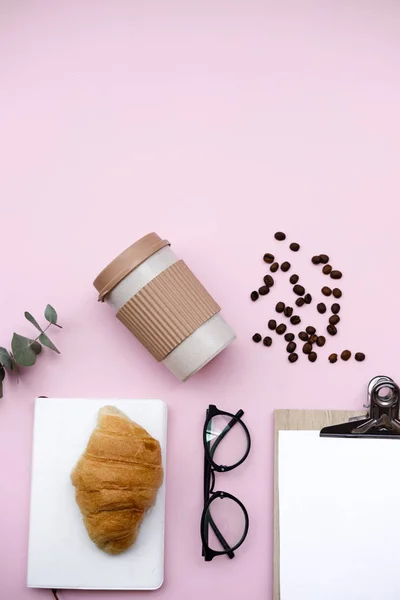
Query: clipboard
{"points": [[380, 421]]}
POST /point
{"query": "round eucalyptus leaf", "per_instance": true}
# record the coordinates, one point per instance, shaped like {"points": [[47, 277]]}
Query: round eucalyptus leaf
{"points": [[36, 347], [22, 350], [5, 358]]}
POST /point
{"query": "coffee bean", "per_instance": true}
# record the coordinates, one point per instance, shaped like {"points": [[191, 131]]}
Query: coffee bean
{"points": [[312, 357], [324, 258], [289, 337], [267, 341], [293, 357], [294, 246], [335, 308], [307, 348], [257, 338], [332, 358], [288, 311], [337, 293], [263, 290], [293, 279], [313, 338], [321, 341], [331, 329], [321, 308], [346, 354], [336, 275], [300, 302], [254, 296], [295, 320], [269, 258], [291, 347], [274, 267], [315, 260], [360, 356], [272, 324], [303, 336], [269, 280], [280, 330], [334, 319], [326, 291], [280, 307], [285, 266], [280, 236], [327, 269], [310, 330], [299, 290], [308, 298]]}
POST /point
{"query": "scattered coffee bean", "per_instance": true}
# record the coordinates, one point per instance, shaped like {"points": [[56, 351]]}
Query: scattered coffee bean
{"points": [[263, 290], [280, 236], [310, 330], [280, 330], [331, 329], [327, 269], [308, 298], [324, 258], [294, 246], [313, 338], [346, 354], [300, 302], [295, 320], [291, 347], [254, 296], [334, 319], [315, 260], [293, 357], [321, 341], [285, 266], [272, 324], [269, 280], [274, 267], [312, 357], [336, 275], [289, 337], [257, 338], [293, 279], [267, 341], [360, 356], [269, 258], [321, 308], [280, 307], [337, 293], [303, 336], [326, 291], [307, 348], [332, 358], [335, 308], [299, 290], [288, 311]]}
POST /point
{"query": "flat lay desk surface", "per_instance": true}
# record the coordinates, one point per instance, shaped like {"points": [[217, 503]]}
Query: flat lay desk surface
{"points": [[214, 124]]}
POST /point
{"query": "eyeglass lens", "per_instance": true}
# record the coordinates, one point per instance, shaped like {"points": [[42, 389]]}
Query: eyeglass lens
{"points": [[226, 440]]}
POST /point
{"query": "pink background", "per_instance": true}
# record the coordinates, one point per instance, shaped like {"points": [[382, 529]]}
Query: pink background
{"points": [[214, 124]]}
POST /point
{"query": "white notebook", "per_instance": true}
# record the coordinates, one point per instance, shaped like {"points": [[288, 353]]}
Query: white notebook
{"points": [[339, 517], [61, 554]]}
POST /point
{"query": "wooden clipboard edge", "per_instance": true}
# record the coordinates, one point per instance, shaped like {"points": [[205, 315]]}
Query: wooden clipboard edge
{"points": [[298, 420]]}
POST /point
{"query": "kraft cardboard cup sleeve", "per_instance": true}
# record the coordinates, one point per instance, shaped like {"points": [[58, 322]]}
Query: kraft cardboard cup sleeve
{"points": [[157, 297]]}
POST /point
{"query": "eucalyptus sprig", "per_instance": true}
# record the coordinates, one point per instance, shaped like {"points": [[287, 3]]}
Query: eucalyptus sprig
{"points": [[24, 351]]}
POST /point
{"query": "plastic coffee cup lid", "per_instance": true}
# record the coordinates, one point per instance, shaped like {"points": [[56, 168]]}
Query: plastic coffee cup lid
{"points": [[126, 262]]}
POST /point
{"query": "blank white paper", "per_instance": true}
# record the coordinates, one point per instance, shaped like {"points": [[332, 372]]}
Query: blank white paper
{"points": [[339, 523]]}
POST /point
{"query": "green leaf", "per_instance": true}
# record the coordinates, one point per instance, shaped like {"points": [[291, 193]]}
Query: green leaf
{"points": [[36, 347], [32, 320], [5, 358], [50, 314], [2, 374], [23, 351], [47, 342]]}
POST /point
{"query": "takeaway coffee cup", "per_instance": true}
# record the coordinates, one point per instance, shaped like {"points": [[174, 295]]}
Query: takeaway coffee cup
{"points": [[157, 297]]}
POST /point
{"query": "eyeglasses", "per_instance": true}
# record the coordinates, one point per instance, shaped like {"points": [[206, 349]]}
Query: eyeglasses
{"points": [[224, 521]]}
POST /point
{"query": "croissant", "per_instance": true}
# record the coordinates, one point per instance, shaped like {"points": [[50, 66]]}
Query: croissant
{"points": [[116, 480]]}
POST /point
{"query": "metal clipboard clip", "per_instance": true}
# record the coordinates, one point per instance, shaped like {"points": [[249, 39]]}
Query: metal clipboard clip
{"points": [[383, 417]]}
